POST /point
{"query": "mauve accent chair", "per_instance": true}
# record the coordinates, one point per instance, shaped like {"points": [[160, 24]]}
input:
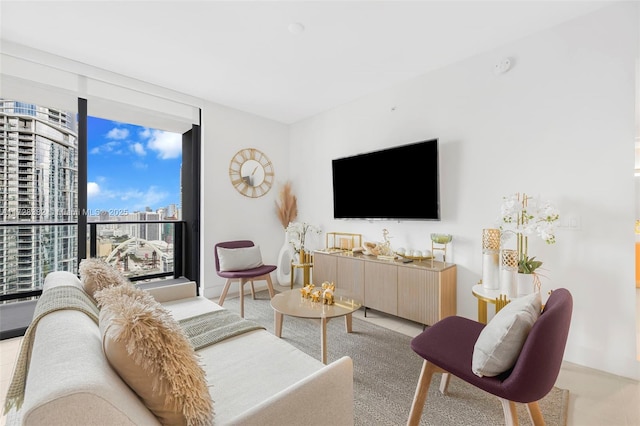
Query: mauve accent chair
{"points": [[247, 276], [447, 347]]}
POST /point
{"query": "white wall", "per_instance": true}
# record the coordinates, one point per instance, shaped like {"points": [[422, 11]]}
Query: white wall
{"points": [[559, 124], [227, 214]]}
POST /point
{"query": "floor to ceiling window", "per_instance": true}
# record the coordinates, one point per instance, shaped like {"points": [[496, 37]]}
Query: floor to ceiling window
{"points": [[38, 194], [133, 176], [74, 186]]}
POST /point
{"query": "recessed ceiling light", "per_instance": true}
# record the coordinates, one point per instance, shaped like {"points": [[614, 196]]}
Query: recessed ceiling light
{"points": [[296, 28]]}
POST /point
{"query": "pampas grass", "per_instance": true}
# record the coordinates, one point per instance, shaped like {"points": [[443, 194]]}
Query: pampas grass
{"points": [[287, 209]]}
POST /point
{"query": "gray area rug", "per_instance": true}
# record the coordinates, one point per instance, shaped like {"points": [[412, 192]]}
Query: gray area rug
{"points": [[386, 373]]}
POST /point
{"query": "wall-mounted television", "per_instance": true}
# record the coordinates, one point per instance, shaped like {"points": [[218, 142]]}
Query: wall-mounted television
{"points": [[399, 183]]}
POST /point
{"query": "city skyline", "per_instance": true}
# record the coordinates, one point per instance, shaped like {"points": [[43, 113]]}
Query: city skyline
{"points": [[131, 167]]}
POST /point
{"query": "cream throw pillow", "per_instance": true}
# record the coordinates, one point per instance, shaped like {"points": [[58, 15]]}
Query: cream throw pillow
{"points": [[500, 342], [239, 259], [96, 274], [150, 352]]}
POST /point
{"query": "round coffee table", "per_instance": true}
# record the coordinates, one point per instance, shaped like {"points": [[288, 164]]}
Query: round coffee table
{"points": [[291, 303]]}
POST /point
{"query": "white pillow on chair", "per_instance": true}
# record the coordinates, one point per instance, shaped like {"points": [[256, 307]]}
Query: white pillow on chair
{"points": [[500, 342], [239, 259]]}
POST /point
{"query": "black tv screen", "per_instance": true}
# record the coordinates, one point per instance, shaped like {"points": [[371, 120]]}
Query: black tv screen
{"points": [[396, 183]]}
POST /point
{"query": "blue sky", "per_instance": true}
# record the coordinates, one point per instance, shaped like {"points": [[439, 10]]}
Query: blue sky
{"points": [[131, 167]]}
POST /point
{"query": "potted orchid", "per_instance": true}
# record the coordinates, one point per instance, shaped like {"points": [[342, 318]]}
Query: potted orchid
{"points": [[527, 216], [297, 232], [528, 265]]}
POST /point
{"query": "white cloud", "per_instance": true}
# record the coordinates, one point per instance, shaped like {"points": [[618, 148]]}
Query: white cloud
{"points": [[140, 199], [107, 147], [138, 148], [93, 189], [145, 133], [168, 145], [118, 134]]}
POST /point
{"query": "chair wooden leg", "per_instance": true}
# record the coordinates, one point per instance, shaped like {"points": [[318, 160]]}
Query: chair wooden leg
{"points": [[242, 282], [422, 390], [510, 412], [535, 414], [224, 292], [444, 383], [272, 292], [253, 290]]}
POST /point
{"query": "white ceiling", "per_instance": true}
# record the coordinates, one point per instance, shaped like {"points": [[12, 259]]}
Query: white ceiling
{"points": [[242, 55]]}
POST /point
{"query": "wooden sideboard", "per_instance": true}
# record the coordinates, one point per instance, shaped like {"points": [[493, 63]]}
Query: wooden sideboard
{"points": [[418, 291]]}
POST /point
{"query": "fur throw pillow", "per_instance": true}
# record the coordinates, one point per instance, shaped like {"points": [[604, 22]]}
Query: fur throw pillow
{"points": [[148, 349], [96, 274]]}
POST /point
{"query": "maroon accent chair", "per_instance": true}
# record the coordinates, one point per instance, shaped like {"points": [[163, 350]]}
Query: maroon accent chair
{"points": [[247, 276], [447, 347]]}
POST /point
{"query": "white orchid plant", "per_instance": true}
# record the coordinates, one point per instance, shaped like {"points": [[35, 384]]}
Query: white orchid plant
{"points": [[523, 216], [297, 233], [527, 215]]}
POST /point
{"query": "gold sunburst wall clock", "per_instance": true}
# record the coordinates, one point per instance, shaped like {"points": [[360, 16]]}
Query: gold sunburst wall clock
{"points": [[251, 172]]}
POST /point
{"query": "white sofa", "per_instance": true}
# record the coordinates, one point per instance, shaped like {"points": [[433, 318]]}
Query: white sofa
{"points": [[254, 379]]}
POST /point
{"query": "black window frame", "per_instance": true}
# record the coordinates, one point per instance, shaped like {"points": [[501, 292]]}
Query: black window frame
{"points": [[188, 229]]}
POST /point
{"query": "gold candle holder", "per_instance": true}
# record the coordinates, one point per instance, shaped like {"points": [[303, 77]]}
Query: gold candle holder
{"points": [[491, 239], [509, 258]]}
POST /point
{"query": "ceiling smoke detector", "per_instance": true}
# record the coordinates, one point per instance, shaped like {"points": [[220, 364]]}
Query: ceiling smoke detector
{"points": [[502, 66]]}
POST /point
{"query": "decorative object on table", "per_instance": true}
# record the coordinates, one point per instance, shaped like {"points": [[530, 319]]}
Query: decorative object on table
{"points": [[251, 172], [508, 270], [381, 250], [370, 249], [523, 216], [343, 241], [305, 262], [287, 210], [315, 296], [305, 291], [297, 232], [439, 243], [528, 279], [414, 254], [490, 259], [327, 292], [386, 252]]}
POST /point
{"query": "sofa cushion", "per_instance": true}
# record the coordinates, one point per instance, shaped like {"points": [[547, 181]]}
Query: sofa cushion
{"points": [[239, 259], [96, 274], [500, 342], [148, 349]]}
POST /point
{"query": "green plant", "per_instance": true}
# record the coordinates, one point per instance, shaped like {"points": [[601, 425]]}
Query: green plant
{"points": [[527, 265]]}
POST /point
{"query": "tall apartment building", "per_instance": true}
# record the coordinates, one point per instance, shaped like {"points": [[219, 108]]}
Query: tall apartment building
{"points": [[38, 183]]}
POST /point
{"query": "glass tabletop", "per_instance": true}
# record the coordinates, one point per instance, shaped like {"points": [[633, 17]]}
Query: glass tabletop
{"points": [[292, 303]]}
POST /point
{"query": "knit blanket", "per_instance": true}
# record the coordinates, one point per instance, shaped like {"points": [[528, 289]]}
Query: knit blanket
{"points": [[212, 327], [54, 299]]}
